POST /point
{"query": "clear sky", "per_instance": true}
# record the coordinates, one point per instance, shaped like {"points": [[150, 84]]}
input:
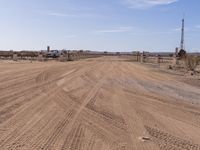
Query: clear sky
{"points": [[112, 25]]}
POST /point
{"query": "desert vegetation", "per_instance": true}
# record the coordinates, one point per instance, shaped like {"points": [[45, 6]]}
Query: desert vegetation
{"points": [[192, 62]]}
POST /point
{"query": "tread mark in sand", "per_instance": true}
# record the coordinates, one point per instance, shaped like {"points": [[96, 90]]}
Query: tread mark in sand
{"points": [[167, 141], [58, 130]]}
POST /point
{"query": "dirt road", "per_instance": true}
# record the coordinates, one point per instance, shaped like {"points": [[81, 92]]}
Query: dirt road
{"points": [[96, 104]]}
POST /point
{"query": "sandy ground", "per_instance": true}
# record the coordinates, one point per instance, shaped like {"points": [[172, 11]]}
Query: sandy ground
{"points": [[96, 104]]}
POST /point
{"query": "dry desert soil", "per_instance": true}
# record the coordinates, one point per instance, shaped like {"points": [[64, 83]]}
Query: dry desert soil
{"points": [[104, 103]]}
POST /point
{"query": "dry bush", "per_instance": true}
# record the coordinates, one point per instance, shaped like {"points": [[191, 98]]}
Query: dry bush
{"points": [[192, 62]]}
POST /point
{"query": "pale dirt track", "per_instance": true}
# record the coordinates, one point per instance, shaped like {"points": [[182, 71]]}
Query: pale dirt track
{"points": [[96, 104]]}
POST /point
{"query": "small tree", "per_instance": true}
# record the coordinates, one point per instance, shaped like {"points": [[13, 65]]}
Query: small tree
{"points": [[182, 54]]}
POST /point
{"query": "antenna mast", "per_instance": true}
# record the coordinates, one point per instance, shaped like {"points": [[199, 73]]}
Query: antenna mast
{"points": [[182, 47]]}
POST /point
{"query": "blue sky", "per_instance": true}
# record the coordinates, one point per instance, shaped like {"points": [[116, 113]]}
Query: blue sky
{"points": [[112, 25]]}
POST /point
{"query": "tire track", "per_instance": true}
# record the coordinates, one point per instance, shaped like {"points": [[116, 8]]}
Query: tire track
{"points": [[167, 141], [58, 129], [99, 104]]}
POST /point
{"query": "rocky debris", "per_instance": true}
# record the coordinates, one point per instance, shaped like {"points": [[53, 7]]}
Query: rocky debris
{"points": [[144, 138]]}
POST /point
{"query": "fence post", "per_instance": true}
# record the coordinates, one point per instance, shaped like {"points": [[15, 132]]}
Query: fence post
{"points": [[158, 59], [40, 57], [142, 58], [137, 56], [15, 57], [175, 61]]}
